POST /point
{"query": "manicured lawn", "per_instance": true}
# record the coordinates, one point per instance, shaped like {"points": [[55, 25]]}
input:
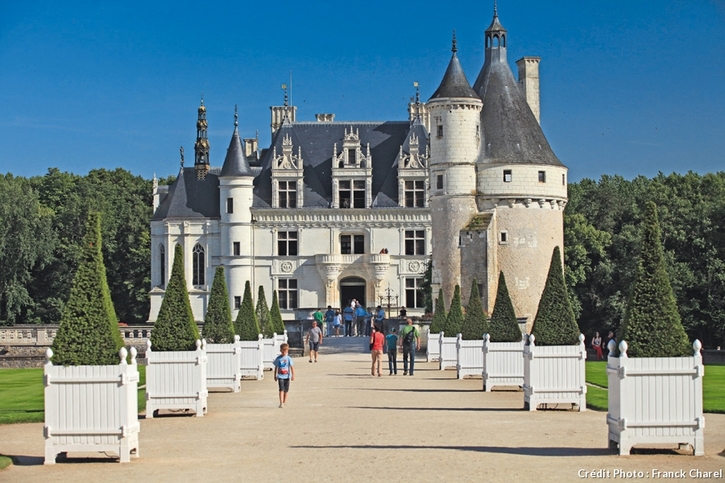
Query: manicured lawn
{"points": [[21, 395], [713, 387]]}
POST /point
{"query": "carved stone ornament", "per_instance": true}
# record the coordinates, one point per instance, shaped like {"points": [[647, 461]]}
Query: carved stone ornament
{"points": [[414, 266], [286, 267]]}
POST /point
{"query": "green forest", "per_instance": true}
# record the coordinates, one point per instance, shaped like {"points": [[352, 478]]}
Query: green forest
{"points": [[42, 221]]}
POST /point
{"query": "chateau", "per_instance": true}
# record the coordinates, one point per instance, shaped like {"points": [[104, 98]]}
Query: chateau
{"points": [[338, 210]]}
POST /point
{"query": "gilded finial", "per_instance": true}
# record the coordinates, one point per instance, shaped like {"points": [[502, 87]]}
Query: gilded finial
{"points": [[286, 100], [236, 116], [181, 152], [454, 48], [202, 98]]}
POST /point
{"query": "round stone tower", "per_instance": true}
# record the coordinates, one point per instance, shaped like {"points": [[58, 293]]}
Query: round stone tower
{"points": [[519, 180], [235, 200], [455, 111]]}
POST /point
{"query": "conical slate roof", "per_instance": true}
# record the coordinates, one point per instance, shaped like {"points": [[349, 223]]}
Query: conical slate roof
{"points": [[454, 83], [236, 163], [511, 133], [190, 197]]}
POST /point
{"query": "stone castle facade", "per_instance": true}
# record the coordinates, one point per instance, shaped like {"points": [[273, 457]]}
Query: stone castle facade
{"points": [[338, 210]]}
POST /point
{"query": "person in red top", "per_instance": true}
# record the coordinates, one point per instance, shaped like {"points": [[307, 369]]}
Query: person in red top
{"points": [[377, 340]]}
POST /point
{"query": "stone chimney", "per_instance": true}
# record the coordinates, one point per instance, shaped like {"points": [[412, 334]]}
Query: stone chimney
{"points": [[325, 117], [251, 145], [529, 83]]}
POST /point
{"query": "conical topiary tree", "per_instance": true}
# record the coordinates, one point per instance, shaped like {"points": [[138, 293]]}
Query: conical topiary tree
{"points": [[652, 325], [264, 318], [554, 323], [503, 326], [88, 333], [175, 328], [246, 324], [475, 322], [218, 326], [438, 324], [455, 315], [276, 315]]}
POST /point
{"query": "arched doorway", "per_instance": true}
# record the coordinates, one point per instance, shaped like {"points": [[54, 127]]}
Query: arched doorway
{"points": [[352, 288]]}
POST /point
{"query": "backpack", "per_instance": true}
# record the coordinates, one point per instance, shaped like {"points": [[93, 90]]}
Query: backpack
{"points": [[409, 336]]}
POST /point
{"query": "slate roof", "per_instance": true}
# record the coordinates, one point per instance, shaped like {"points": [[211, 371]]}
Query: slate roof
{"points": [[317, 139], [510, 132], [454, 83], [190, 198], [236, 163]]}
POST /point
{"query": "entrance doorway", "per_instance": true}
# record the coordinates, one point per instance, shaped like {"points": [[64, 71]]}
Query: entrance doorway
{"points": [[352, 288]]}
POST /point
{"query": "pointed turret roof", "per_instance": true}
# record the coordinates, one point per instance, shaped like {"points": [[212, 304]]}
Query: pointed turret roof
{"points": [[454, 83], [511, 133], [236, 163]]}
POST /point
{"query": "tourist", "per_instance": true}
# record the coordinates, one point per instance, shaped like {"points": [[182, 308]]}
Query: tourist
{"points": [[360, 318], [410, 341], [329, 319], [377, 340], [391, 347], [610, 336], [320, 317], [380, 317], [403, 313], [337, 322], [314, 337], [284, 372], [347, 314], [597, 345]]}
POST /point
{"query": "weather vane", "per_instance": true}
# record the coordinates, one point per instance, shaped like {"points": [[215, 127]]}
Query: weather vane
{"points": [[181, 151]]}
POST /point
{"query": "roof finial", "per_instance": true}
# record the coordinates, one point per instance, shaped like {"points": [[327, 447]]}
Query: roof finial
{"points": [[495, 9], [202, 98], [417, 93], [236, 117], [181, 152], [454, 48], [286, 100]]}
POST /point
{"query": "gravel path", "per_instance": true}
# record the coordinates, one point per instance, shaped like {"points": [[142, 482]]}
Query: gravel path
{"points": [[341, 424]]}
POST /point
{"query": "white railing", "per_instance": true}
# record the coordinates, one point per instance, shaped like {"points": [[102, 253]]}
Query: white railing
{"points": [[655, 400], [252, 364], [448, 353], [503, 363], [224, 362], [176, 380], [433, 347], [91, 408], [271, 349], [555, 374], [469, 357]]}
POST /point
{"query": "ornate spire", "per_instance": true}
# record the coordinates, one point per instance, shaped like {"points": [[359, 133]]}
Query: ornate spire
{"points": [[454, 48], [236, 118], [201, 147], [181, 154]]}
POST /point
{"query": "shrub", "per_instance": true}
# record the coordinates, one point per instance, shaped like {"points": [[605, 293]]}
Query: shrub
{"points": [[276, 315], [175, 329], [474, 323], [554, 323], [246, 324], [88, 333], [438, 324], [218, 326], [455, 315], [652, 325], [503, 327], [263, 315]]}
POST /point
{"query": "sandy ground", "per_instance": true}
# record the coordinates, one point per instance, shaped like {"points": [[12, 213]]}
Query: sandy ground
{"points": [[341, 424]]}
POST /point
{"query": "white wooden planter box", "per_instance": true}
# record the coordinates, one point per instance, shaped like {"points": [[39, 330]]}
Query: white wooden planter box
{"points": [[223, 367], [555, 374], [176, 380], [469, 355], [252, 364], [503, 363], [91, 408], [448, 353], [433, 347], [655, 400], [271, 349]]}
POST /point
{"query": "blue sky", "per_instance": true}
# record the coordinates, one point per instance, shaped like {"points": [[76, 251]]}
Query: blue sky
{"points": [[627, 87]]}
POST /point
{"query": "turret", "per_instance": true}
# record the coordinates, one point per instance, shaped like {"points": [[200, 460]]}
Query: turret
{"points": [[201, 147], [235, 198], [454, 110]]}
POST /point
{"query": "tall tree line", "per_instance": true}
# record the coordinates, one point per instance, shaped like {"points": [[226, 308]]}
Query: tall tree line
{"points": [[42, 222], [602, 223]]}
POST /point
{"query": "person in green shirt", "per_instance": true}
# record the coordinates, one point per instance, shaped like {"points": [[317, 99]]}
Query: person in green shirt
{"points": [[320, 317], [410, 342]]}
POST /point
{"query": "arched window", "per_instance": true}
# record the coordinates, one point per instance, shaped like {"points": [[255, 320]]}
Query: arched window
{"points": [[503, 41], [162, 265], [197, 260]]}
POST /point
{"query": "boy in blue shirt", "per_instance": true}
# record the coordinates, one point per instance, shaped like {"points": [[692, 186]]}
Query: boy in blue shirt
{"points": [[284, 372], [391, 343]]}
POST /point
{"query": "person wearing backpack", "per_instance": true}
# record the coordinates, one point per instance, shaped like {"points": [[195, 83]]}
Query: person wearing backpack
{"points": [[410, 342]]}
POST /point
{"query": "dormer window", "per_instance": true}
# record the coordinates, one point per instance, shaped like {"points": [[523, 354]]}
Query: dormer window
{"points": [[352, 173], [287, 175], [412, 174]]}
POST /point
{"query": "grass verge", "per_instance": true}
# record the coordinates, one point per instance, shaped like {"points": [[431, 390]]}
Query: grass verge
{"points": [[5, 461]]}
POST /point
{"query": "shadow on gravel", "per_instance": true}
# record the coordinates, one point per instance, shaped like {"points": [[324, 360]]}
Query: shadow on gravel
{"points": [[526, 451], [510, 410], [416, 390]]}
